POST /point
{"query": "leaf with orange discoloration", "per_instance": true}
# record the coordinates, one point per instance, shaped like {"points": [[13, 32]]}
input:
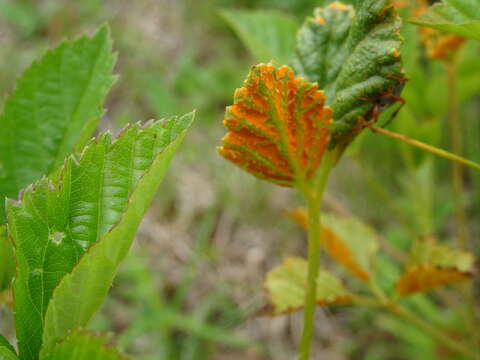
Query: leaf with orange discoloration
{"points": [[278, 126], [348, 240], [426, 277], [433, 265]]}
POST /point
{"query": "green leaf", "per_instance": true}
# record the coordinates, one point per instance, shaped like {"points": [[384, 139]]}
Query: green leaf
{"points": [[73, 229], [57, 103], [7, 262], [268, 34], [5, 344], [460, 17], [84, 346], [7, 354], [322, 45], [356, 57], [287, 283]]}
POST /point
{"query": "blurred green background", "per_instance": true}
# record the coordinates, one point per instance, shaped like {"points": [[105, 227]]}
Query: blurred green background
{"points": [[193, 281]]}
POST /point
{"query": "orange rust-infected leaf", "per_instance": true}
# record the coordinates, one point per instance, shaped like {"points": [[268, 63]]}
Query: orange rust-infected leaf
{"points": [[426, 277], [278, 126], [333, 245]]}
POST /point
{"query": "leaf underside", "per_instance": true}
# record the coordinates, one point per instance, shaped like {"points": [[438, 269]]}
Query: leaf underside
{"points": [[286, 286], [87, 213], [57, 103], [459, 17], [355, 56], [432, 266], [84, 346], [278, 126]]}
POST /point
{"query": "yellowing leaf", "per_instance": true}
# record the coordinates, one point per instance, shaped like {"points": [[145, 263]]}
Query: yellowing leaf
{"points": [[426, 277], [287, 283], [347, 240], [433, 265], [278, 126]]}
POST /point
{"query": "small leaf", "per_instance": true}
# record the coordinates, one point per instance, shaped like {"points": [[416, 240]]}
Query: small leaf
{"points": [[84, 346], [348, 240], [268, 34], [57, 104], [7, 261], [88, 214], [433, 265], [278, 126], [356, 57], [286, 286], [459, 17]]}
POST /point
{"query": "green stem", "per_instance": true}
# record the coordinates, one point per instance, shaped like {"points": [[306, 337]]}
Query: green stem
{"points": [[313, 192], [422, 145], [430, 329], [457, 188], [456, 144]]}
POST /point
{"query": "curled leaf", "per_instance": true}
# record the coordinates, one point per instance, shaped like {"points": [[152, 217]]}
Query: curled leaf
{"points": [[433, 265], [287, 283], [278, 126], [355, 56]]}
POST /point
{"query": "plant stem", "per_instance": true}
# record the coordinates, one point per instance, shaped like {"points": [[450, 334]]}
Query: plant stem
{"points": [[431, 330], [456, 144], [422, 145], [457, 188], [312, 193]]}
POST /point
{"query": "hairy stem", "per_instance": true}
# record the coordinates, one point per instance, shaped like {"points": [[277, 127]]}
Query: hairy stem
{"points": [[429, 148], [313, 192]]}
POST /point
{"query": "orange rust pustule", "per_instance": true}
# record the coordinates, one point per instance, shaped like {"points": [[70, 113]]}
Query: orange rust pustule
{"points": [[278, 126], [426, 277], [338, 6]]}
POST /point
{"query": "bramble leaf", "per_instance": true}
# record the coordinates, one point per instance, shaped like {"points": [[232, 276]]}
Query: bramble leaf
{"points": [[286, 286], [459, 17], [86, 215], [268, 34], [348, 240], [7, 264], [7, 354], [278, 126], [434, 265], [5, 344], [84, 346], [57, 104], [364, 49], [322, 44]]}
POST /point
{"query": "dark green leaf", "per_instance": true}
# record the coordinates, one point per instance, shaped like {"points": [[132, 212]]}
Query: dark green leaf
{"points": [[356, 57]]}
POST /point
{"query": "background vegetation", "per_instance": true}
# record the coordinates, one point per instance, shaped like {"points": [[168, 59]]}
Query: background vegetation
{"points": [[193, 281]]}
